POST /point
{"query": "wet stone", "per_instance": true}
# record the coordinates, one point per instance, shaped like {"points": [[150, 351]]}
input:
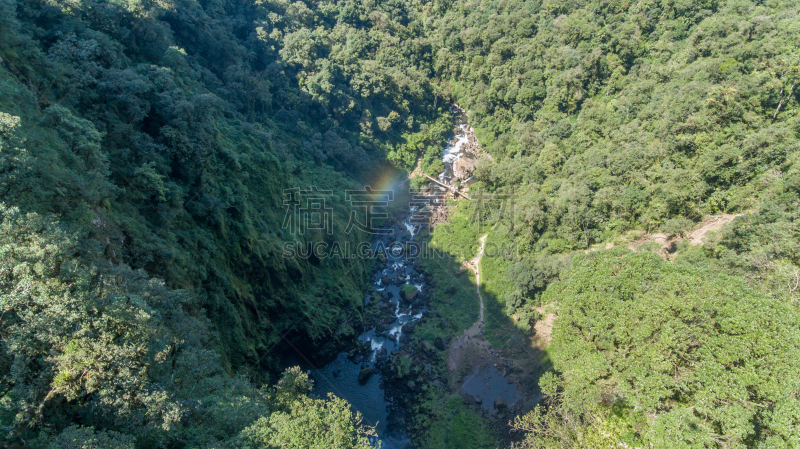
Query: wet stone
{"points": [[364, 375]]}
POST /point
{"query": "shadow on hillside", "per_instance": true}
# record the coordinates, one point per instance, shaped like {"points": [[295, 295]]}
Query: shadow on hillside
{"points": [[501, 351]]}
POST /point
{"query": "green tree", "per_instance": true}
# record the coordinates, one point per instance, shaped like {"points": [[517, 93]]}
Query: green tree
{"points": [[685, 357], [299, 421]]}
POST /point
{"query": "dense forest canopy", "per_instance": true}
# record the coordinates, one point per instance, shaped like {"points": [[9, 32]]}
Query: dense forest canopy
{"points": [[683, 357], [146, 147]]}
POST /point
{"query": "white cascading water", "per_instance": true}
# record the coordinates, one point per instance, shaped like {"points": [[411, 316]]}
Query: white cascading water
{"points": [[453, 151]]}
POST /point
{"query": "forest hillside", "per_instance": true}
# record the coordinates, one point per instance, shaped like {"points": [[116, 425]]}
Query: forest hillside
{"points": [[149, 150]]}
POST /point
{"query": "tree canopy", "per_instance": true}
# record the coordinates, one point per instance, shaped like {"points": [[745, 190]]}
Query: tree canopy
{"points": [[149, 150], [660, 355]]}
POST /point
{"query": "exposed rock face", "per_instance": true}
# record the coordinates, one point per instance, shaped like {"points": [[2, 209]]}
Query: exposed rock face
{"points": [[471, 151], [463, 168]]}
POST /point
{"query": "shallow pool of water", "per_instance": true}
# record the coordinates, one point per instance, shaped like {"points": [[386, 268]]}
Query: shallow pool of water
{"points": [[488, 383], [340, 377]]}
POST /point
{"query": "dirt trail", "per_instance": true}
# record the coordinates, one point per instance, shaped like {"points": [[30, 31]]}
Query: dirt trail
{"points": [[668, 243], [470, 347], [712, 223], [474, 265], [543, 327], [479, 373]]}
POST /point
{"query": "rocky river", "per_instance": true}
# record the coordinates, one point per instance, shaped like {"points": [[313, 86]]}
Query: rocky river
{"points": [[380, 372], [398, 298]]}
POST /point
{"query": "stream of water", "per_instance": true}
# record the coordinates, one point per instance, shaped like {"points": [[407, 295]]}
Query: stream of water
{"points": [[341, 377], [397, 272], [456, 147]]}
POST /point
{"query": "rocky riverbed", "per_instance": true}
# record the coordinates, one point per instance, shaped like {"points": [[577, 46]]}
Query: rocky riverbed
{"points": [[462, 153], [383, 371]]}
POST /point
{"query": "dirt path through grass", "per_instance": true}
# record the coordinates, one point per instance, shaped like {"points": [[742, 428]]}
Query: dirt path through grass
{"points": [[471, 347]]}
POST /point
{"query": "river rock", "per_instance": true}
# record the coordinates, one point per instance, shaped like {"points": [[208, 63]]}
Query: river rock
{"points": [[408, 292], [500, 403], [409, 327], [364, 375], [463, 168], [478, 400]]}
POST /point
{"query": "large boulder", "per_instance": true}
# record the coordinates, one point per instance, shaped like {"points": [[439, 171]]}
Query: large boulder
{"points": [[463, 167], [364, 375], [408, 292], [500, 403], [439, 343]]}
